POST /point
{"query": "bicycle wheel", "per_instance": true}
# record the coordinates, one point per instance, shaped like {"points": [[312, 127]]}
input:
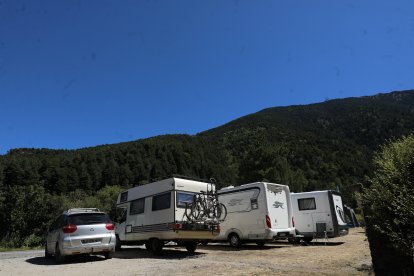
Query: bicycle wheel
{"points": [[220, 211], [192, 212]]}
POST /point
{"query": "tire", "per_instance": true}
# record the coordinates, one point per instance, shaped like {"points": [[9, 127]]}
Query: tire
{"points": [[294, 240], [191, 246], [109, 255], [234, 240], [156, 246], [221, 212], [260, 243], [148, 246], [307, 239], [59, 258], [117, 243], [47, 254], [193, 211]]}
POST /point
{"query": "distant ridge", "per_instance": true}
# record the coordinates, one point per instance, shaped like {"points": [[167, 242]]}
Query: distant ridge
{"points": [[317, 146]]}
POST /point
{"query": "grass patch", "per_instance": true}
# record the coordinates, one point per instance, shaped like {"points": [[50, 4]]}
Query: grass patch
{"points": [[7, 249]]}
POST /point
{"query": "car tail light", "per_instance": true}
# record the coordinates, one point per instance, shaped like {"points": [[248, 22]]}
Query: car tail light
{"points": [[110, 226], [268, 222], [70, 228], [217, 228], [293, 222]]}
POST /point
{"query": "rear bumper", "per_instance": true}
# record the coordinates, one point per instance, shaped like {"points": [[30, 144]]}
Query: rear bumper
{"points": [[195, 235], [200, 231], [88, 249], [71, 246], [279, 234]]}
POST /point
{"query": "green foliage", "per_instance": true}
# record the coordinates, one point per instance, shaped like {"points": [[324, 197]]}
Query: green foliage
{"points": [[389, 202], [33, 241]]}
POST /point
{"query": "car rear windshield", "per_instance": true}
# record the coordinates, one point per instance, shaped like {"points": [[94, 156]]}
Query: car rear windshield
{"points": [[84, 219]]}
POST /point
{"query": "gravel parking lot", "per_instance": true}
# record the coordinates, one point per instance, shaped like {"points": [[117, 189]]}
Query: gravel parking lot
{"points": [[347, 255]]}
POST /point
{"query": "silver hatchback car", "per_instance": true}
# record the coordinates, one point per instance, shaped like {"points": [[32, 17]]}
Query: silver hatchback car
{"points": [[81, 231]]}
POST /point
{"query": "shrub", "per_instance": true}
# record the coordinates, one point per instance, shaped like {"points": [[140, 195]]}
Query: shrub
{"points": [[389, 209], [33, 241]]}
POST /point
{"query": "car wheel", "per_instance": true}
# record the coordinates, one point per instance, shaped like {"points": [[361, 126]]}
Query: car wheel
{"points": [[260, 243], [109, 255], [59, 258], [117, 243], [234, 240], [148, 245], [294, 240], [307, 239], [156, 246], [47, 254], [191, 246]]}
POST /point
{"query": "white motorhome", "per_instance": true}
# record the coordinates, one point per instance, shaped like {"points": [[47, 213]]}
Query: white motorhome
{"points": [[155, 213], [256, 212], [319, 214]]}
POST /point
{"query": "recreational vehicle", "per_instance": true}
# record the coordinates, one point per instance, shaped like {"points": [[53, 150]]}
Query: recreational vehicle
{"points": [[256, 212], [155, 213], [319, 214]]}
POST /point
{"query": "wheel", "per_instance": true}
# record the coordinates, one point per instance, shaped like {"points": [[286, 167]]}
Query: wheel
{"points": [[191, 246], [293, 240], [260, 243], [307, 239], [234, 240], [148, 246], [47, 254], [221, 212], [109, 255], [156, 246], [193, 211], [117, 243], [198, 211], [59, 258]]}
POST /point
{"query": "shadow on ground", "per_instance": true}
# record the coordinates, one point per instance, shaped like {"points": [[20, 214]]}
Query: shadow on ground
{"points": [[168, 252], [243, 247], [125, 253], [68, 260]]}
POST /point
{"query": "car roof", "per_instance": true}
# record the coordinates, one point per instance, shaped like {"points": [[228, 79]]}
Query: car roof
{"points": [[83, 211]]}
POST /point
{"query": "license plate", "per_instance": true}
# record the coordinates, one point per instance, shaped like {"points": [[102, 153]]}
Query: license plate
{"points": [[90, 241]]}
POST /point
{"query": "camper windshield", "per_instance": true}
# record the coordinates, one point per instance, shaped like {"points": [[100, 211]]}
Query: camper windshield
{"points": [[184, 198]]}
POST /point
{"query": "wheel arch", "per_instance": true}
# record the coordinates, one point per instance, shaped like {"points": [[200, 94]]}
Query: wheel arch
{"points": [[233, 231]]}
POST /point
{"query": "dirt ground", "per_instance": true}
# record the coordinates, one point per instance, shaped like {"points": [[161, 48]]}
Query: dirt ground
{"points": [[348, 255]]}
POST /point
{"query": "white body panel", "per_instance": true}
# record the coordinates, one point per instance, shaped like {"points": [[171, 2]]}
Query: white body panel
{"points": [[247, 208], [318, 212], [150, 223]]}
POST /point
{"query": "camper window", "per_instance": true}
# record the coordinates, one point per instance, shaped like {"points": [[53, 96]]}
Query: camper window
{"points": [[137, 206], [161, 202], [254, 204], [124, 197], [183, 199], [306, 204]]}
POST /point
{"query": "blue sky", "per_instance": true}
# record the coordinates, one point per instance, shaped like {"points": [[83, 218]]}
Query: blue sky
{"points": [[83, 73]]}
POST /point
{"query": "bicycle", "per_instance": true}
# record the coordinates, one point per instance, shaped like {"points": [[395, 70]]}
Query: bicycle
{"points": [[205, 207]]}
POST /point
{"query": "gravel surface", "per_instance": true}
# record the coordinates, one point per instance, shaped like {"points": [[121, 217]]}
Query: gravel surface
{"points": [[348, 255]]}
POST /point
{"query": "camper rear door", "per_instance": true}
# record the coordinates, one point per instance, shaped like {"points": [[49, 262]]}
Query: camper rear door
{"points": [[277, 204]]}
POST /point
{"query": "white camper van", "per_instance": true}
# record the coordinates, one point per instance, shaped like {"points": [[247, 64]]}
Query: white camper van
{"points": [[155, 213], [319, 214], [256, 212]]}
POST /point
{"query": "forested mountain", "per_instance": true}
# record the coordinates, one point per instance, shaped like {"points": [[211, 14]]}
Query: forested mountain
{"points": [[308, 147]]}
